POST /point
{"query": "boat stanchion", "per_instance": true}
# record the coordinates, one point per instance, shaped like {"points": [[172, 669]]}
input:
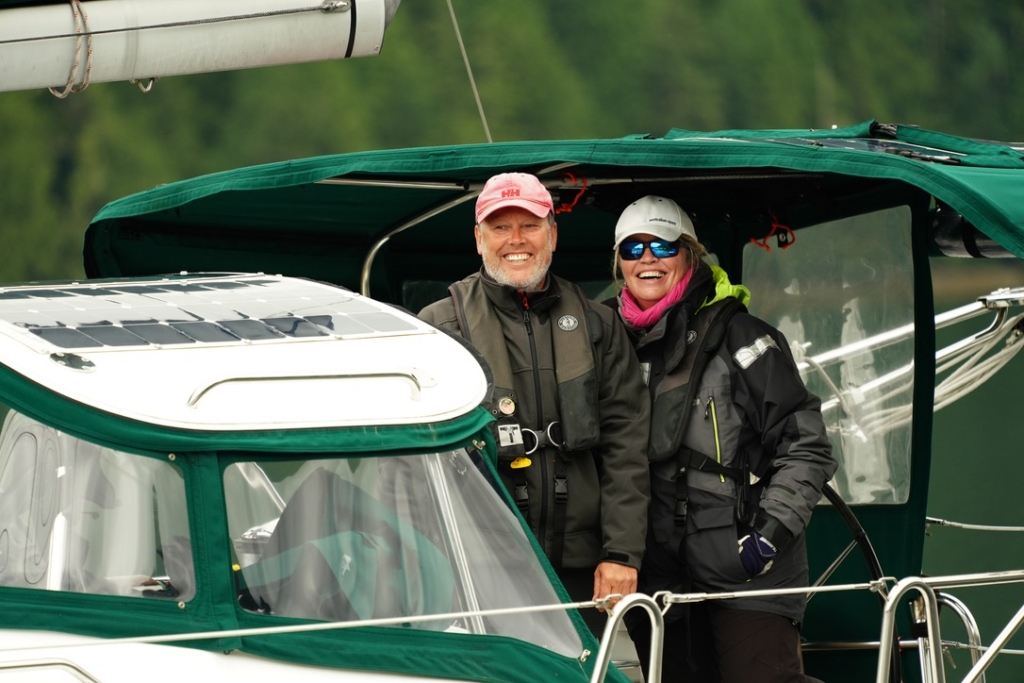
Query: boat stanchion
{"points": [[611, 629], [934, 670], [997, 646]]}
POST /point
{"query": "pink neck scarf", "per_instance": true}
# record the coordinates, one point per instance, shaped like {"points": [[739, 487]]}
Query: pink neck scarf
{"points": [[638, 317]]}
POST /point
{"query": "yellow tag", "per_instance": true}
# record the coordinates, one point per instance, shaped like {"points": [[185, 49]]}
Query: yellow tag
{"points": [[521, 462]]}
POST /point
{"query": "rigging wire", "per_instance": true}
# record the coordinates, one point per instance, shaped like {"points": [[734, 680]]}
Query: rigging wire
{"points": [[978, 648], [329, 7], [469, 71], [971, 527]]}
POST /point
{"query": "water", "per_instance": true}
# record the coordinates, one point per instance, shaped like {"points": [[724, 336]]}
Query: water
{"points": [[978, 477]]}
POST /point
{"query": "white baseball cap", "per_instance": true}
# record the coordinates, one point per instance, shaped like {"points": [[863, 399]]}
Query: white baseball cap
{"points": [[654, 216]]}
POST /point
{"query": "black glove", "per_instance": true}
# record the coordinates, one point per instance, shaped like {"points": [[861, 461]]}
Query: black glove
{"points": [[757, 553]]}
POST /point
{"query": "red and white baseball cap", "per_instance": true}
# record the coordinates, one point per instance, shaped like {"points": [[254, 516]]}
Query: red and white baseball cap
{"points": [[521, 190]]}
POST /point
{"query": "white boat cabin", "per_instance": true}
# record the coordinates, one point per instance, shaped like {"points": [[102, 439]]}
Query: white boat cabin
{"points": [[205, 460]]}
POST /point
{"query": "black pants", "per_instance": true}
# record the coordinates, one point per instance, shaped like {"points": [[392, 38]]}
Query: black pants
{"points": [[724, 646], [580, 585]]}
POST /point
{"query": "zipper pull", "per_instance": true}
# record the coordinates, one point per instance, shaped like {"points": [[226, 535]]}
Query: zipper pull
{"points": [[526, 306], [707, 407]]}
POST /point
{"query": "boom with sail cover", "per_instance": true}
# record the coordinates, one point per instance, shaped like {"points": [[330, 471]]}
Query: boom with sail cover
{"points": [[73, 44]]}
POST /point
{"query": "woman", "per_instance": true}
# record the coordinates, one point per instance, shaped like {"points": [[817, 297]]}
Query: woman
{"points": [[738, 455]]}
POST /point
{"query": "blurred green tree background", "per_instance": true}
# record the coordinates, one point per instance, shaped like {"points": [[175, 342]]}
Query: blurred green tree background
{"points": [[572, 69], [546, 70]]}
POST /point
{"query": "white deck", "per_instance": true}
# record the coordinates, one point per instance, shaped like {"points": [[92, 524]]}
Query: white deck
{"points": [[266, 353]]}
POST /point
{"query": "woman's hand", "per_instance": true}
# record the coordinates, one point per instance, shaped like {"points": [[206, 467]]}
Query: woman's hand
{"points": [[757, 553]]}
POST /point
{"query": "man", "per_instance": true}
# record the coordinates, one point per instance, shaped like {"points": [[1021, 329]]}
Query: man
{"points": [[572, 411]]}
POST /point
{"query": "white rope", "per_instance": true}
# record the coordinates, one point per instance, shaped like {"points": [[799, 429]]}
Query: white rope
{"points": [[963, 375], [144, 87], [986, 347], [971, 367], [81, 21], [948, 391], [469, 71], [946, 394]]}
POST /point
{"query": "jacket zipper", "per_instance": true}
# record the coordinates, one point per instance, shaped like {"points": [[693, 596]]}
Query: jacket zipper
{"points": [[541, 525], [710, 410]]}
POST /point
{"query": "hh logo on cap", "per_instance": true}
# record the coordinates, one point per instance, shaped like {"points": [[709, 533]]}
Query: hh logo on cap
{"points": [[509, 193]]}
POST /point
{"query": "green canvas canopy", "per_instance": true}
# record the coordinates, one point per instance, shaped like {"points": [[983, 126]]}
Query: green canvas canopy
{"points": [[320, 217], [397, 225]]}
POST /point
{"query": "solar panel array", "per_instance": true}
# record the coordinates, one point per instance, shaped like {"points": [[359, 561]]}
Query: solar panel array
{"points": [[181, 312]]}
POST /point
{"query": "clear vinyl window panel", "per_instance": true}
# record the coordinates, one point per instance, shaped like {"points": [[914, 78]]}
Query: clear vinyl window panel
{"points": [[847, 309], [79, 517], [384, 537]]}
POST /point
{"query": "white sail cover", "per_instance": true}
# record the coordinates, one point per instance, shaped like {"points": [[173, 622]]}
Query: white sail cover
{"points": [[111, 40]]}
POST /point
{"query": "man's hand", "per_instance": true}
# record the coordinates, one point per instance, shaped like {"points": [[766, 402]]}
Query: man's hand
{"points": [[611, 578]]}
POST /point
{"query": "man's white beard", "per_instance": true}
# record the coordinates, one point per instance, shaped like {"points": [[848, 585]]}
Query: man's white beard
{"points": [[527, 282]]}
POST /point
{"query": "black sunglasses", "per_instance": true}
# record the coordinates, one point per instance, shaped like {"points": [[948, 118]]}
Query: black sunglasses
{"points": [[631, 250]]}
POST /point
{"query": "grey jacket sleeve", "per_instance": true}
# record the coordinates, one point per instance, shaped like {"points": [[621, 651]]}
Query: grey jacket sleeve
{"points": [[441, 314], [794, 454], [625, 413]]}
